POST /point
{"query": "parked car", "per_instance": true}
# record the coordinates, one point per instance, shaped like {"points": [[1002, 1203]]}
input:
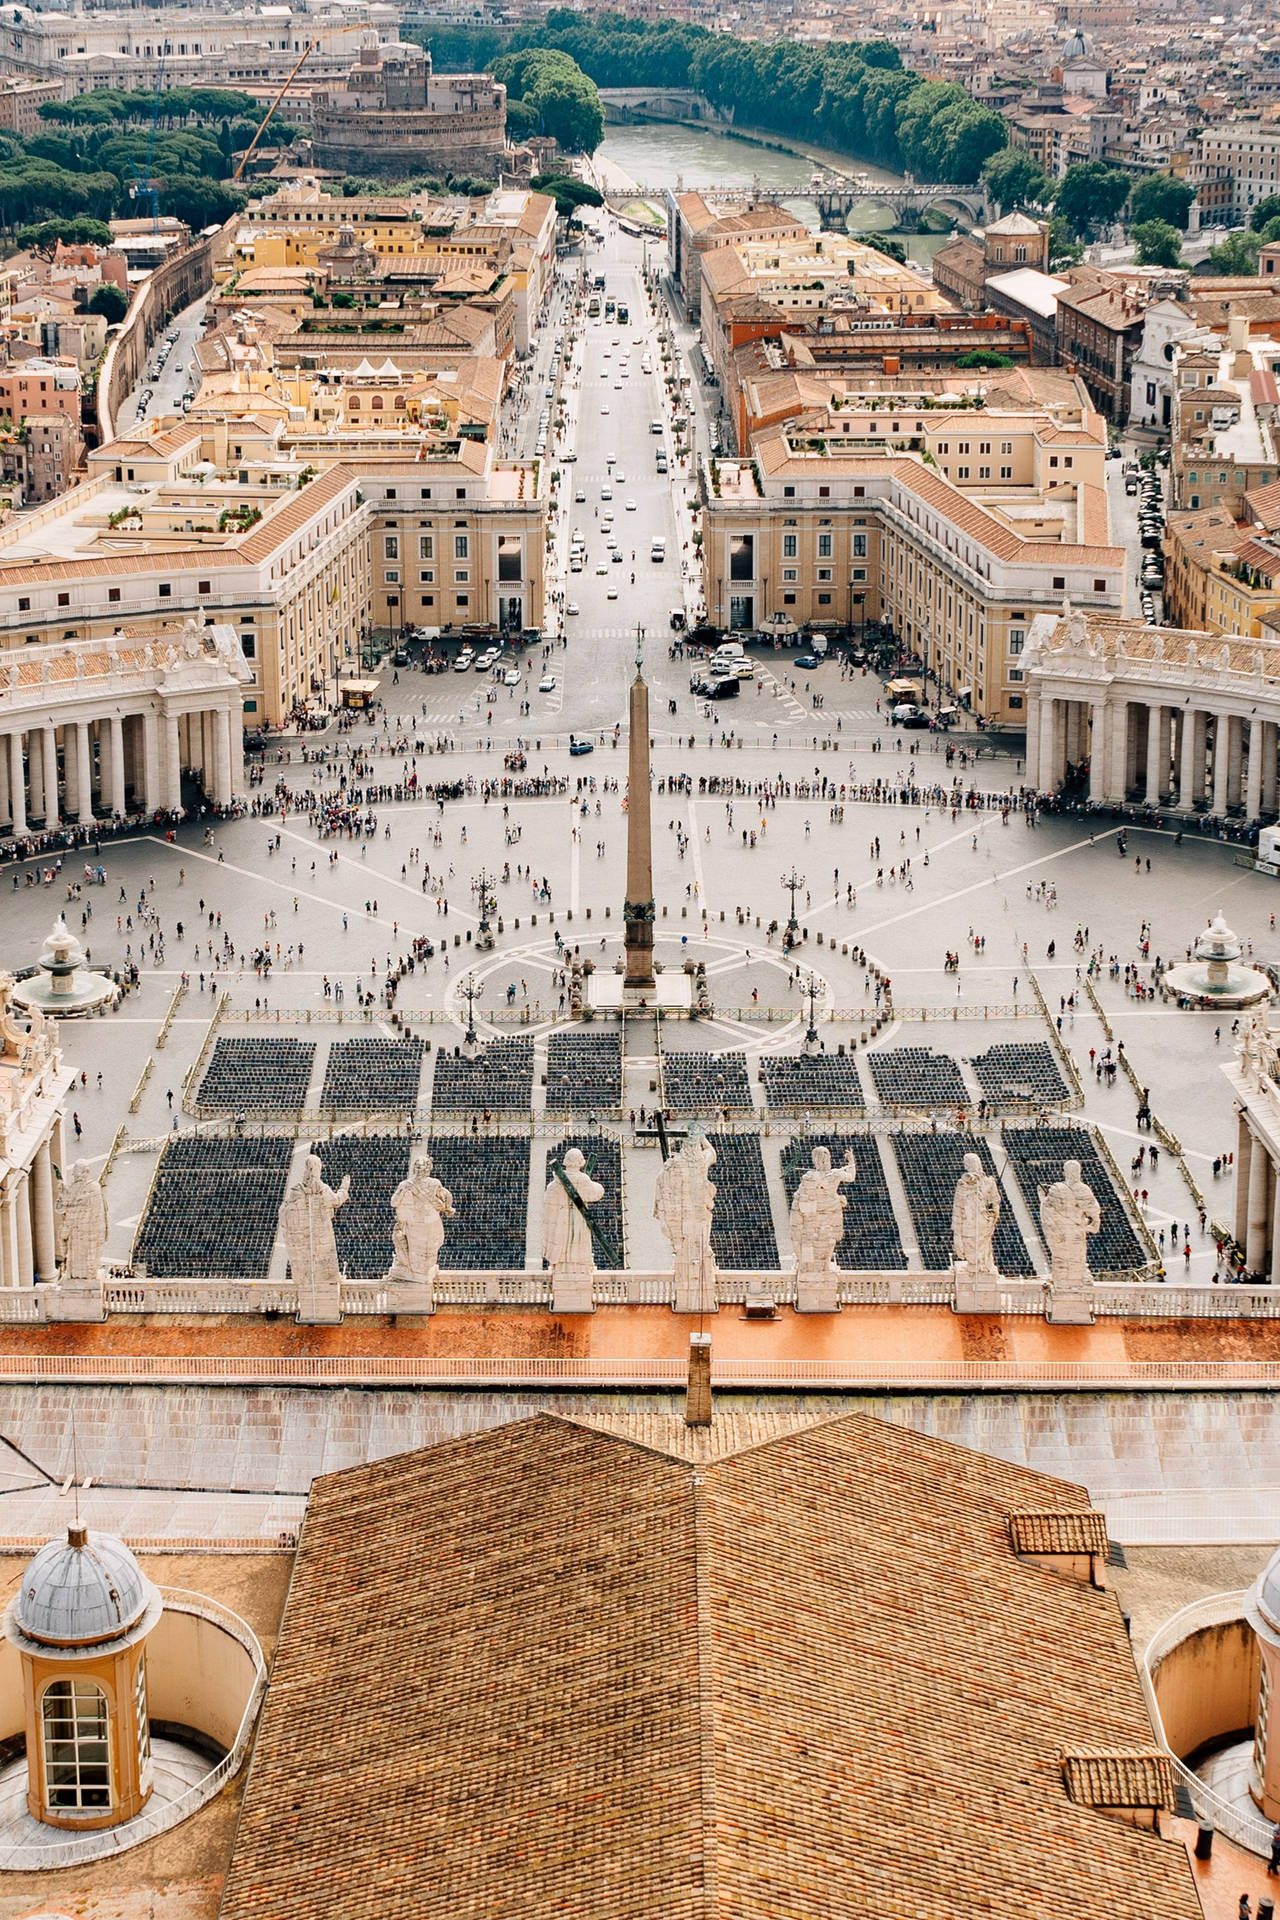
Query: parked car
{"points": [[577, 747]]}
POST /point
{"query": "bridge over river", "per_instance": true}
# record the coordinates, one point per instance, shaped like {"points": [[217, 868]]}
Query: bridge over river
{"points": [[907, 203]]}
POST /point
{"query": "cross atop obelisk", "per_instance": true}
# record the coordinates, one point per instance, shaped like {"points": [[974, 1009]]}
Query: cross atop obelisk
{"points": [[638, 909]]}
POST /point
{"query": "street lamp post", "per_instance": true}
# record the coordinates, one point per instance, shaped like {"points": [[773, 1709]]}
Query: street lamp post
{"points": [[471, 993], [813, 990], [483, 886], [793, 882]]}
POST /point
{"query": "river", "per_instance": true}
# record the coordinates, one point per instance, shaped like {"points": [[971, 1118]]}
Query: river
{"points": [[671, 154]]}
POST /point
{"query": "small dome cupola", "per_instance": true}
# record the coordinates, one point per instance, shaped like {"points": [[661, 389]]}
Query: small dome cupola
{"points": [[80, 1622]]}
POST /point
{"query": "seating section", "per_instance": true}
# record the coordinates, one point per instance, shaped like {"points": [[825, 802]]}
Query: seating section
{"points": [[372, 1076], [257, 1075], [930, 1165], [799, 1083], [584, 1073], [489, 1181], [213, 1208], [706, 1082], [499, 1079], [871, 1241], [742, 1225], [1026, 1072], [604, 1163], [917, 1077], [362, 1228], [1036, 1155]]}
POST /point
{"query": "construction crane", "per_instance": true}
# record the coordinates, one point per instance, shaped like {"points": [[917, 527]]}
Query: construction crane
{"points": [[361, 26], [144, 187]]}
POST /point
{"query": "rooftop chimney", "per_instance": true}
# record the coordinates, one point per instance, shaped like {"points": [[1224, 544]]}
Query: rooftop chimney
{"points": [[697, 1400]]}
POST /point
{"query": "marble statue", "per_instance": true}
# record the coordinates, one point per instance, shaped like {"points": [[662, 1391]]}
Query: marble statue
{"points": [[566, 1235], [1069, 1213], [683, 1203], [421, 1205], [817, 1216], [975, 1212], [307, 1222], [81, 1213]]}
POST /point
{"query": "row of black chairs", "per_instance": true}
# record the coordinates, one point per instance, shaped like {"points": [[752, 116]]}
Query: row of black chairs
{"points": [[489, 1180], [584, 1073], [257, 1075], [362, 1227], [917, 1077], [798, 1081], [604, 1163], [871, 1240], [1036, 1155], [213, 1208], [930, 1165], [500, 1078], [375, 1075], [699, 1082], [742, 1232], [1023, 1070]]}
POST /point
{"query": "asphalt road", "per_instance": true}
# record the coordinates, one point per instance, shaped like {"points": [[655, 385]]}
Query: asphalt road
{"points": [[171, 384]]}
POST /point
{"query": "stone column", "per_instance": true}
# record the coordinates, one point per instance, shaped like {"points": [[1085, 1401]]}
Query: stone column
{"points": [[1061, 708], [152, 785], [1269, 768], [17, 784], [35, 773], [84, 773], [172, 763], [1253, 788], [1235, 758], [26, 1264], [1044, 746], [1098, 755], [9, 1262], [1221, 762], [1260, 1181], [1244, 1157], [1117, 724], [114, 794], [1156, 764], [49, 755], [1035, 721], [46, 1259], [221, 790]]}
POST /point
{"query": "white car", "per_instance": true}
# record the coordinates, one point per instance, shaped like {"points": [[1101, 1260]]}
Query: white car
{"points": [[611, 460], [580, 495], [605, 408], [631, 506], [573, 607], [617, 386], [463, 662], [606, 493], [547, 684], [511, 678], [612, 594], [602, 568]]}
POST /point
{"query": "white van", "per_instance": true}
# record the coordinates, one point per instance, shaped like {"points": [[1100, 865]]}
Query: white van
{"points": [[658, 550]]}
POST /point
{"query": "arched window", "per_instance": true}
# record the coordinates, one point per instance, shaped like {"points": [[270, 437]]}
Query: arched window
{"points": [[77, 1767], [376, 403]]}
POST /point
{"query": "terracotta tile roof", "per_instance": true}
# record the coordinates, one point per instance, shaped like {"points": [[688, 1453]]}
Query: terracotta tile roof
{"points": [[1264, 505], [1120, 1779], [544, 1672], [1084, 1532]]}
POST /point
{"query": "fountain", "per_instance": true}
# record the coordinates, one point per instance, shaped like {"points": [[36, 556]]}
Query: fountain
{"points": [[64, 984], [1213, 977]]}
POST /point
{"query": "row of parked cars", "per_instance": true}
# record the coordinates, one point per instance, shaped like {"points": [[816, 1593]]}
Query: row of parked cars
{"points": [[1151, 529]]}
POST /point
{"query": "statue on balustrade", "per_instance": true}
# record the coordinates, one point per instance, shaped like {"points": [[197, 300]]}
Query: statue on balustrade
{"points": [[1069, 1213], [306, 1219], [684, 1201], [817, 1221], [566, 1233], [421, 1205], [975, 1213], [81, 1215]]}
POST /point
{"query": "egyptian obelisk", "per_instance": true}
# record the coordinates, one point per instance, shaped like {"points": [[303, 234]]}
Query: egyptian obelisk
{"points": [[637, 909]]}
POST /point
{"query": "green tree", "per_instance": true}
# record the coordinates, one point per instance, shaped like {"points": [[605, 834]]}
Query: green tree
{"points": [[1236, 255], [110, 302], [73, 233], [1063, 250], [1267, 210], [567, 192], [1159, 244], [1013, 179], [980, 357], [1090, 196], [1162, 197]]}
